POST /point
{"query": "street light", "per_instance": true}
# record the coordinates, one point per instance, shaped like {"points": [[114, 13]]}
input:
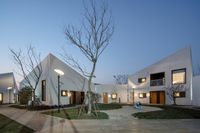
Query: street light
{"points": [[9, 88], [60, 73]]}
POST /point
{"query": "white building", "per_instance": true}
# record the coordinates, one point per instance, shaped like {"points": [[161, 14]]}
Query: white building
{"points": [[150, 83], [73, 86], [147, 86], [8, 88]]}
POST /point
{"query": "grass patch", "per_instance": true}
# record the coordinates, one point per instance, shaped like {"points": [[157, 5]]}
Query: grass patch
{"points": [[10, 126], [110, 106], [18, 106], [169, 112], [73, 114]]}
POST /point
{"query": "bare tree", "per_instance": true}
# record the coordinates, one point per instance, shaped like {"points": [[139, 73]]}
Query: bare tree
{"points": [[92, 38], [29, 66], [121, 79], [173, 91]]}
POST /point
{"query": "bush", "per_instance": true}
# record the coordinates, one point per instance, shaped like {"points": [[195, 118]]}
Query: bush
{"points": [[25, 95]]}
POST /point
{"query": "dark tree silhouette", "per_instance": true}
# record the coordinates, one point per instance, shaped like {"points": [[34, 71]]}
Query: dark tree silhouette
{"points": [[91, 39], [30, 67]]}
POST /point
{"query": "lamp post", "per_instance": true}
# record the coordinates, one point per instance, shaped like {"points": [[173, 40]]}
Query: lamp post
{"points": [[60, 73], [9, 88]]}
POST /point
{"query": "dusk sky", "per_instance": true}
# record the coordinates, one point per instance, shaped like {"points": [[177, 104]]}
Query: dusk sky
{"points": [[145, 32]]}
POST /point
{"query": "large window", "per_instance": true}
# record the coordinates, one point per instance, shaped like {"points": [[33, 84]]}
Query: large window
{"points": [[179, 76], [43, 90], [142, 80], [157, 79]]}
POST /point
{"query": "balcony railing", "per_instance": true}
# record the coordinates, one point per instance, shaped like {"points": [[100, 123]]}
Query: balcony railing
{"points": [[157, 82]]}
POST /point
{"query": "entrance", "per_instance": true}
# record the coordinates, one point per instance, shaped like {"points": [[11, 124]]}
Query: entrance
{"points": [[77, 97], [157, 97], [105, 97]]}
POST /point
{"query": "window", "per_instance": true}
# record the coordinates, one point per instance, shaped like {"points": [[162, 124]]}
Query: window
{"points": [[43, 90], [142, 95], [1, 97], [141, 80], [157, 79], [63, 93], [180, 94], [179, 76]]}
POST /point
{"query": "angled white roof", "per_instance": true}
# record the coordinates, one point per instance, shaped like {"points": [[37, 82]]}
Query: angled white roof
{"points": [[179, 56], [7, 80]]}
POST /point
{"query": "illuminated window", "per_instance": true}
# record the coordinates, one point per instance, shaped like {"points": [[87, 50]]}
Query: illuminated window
{"points": [[65, 93], [114, 96], [180, 94], [141, 80], [1, 97], [179, 76], [142, 95]]}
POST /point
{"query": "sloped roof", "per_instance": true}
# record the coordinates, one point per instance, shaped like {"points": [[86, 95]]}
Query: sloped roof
{"points": [[7, 80], [183, 54]]}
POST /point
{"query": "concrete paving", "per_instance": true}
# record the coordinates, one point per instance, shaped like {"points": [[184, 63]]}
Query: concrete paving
{"points": [[120, 121]]}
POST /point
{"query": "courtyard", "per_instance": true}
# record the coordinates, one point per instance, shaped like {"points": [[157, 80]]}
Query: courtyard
{"points": [[120, 121]]}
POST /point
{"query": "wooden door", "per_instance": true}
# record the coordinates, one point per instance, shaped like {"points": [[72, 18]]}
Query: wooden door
{"points": [[73, 97], [105, 97], [162, 97], [153, 97]]}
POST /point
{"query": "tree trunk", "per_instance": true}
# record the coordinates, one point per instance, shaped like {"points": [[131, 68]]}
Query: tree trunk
{"points": [[89, 89]]}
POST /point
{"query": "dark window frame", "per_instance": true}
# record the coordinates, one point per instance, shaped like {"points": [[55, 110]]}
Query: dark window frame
{"points": [[178, 70], [43, 89], [157, 79], [140, 80], [144, 95], [182, 94], [65, 92]]}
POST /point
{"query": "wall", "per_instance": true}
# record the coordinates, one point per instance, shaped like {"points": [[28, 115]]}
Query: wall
{"points": [[121, 90], [196, 91]]}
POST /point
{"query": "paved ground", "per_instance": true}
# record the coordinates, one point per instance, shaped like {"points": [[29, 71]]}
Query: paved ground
{"points": [[120, 121]]}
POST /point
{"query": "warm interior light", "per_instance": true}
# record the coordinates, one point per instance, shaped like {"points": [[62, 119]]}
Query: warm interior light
{"points": [[179, 77], [64, 93], [109, 95], [143, 80], [148, 94], [141, 95], [69, 94], [58, 71], [1, 97], [114, 96], [9, 88], [177, 94]]}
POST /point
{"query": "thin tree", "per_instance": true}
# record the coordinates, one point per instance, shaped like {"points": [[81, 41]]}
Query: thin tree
{"points": [[30, 67], [92, 38], [173, 91], [121, 79]]}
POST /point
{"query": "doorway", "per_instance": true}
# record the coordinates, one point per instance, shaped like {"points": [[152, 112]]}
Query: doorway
{"points": [[157, 97], [105, 97]]}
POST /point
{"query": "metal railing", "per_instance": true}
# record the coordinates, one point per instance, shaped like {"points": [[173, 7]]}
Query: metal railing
{"points": [[157, 82]]}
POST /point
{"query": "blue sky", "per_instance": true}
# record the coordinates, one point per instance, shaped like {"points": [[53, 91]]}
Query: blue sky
{"points": [[145, 31]]}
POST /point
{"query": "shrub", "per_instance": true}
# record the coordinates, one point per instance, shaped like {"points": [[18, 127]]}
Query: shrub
{"points": [[25, 95]]}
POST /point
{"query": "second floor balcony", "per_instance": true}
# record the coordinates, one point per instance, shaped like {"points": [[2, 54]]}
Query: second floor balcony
{"points": [[157, 82]]}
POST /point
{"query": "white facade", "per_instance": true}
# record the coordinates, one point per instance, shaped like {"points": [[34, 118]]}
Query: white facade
{"points": [[196, 91], [153, 90], [71, 82], [106, 91], [180, 60], [8, 88]]}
